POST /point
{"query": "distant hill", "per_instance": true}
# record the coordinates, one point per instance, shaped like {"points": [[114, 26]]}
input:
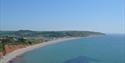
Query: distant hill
{"points": [[29, 33]]}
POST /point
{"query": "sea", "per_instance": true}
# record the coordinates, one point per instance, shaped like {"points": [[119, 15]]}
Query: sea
{"points": [[100, 49]]}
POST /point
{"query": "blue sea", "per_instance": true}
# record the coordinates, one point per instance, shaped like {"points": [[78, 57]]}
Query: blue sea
{"points": [[101, 49]]}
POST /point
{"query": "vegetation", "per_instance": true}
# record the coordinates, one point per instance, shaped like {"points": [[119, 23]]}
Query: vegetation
{"points": [[27, 37], [47, 34]]}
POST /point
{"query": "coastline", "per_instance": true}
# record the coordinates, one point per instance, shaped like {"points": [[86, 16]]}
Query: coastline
{"points": [[8, 57]]}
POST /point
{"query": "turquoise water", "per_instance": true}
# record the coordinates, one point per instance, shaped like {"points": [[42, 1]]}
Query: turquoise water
{"points": [[103, 49]]}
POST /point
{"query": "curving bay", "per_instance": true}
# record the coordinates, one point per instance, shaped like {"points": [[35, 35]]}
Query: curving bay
{"points": [[102, 49]]}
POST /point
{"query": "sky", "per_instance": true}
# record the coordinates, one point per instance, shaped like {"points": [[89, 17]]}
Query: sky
{"points": [[54, 15]]}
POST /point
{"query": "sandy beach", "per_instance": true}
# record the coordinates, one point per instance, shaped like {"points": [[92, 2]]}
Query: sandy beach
{"points": [[14, 54]]}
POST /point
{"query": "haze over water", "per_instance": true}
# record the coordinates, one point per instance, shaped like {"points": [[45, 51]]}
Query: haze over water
{"points": [[106, 16], [102, 49]]}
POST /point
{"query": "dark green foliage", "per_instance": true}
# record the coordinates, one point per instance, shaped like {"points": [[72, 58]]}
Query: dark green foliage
{"points": [[46, 34]]}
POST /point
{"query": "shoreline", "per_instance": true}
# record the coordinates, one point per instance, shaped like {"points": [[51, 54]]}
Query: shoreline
{"points": [[8, 57]]}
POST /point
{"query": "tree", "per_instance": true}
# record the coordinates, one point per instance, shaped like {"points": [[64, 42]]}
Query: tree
{"points": [[3, 46], [4, 41], [22, 41]]}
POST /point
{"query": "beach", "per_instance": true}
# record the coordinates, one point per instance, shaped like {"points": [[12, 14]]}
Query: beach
{"points": [[103, 49], [8, 57]]}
